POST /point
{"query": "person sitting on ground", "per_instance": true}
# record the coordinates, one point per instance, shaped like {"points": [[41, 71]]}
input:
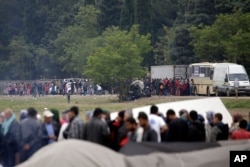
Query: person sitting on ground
{"points": [[177, 129], [241, 133], [149, 134], [196, 129], [219, 131]]}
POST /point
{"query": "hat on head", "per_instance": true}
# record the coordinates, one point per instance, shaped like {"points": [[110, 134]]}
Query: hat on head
{"points": [[48, 113]]}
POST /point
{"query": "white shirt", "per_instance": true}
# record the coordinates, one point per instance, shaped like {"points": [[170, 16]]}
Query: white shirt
{"points": [[156, 123], [63, 128]]}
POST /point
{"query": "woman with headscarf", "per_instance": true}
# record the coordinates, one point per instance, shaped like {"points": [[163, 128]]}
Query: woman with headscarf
{"points": [[209, 125], [23, 114]]}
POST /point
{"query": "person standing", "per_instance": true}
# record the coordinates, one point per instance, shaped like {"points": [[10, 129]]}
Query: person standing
{"points": [[149, 134], [30, 135], [177, 128], [68, 96], [10, 143], [236, 86], [96, 130], [76, 124], [116, 128], [2, 118], [219, 131], [242, 133], [156, 122], [131, 127], [196, 129], [209, 125], [50, 129]]}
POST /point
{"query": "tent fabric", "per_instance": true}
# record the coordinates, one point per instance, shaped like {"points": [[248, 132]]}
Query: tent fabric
{"points": [[75, 153], [133, 148], [218, 156]]}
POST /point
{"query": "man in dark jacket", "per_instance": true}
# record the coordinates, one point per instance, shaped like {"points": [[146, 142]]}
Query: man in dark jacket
{"points": [[96, 130], [30, 135], [50, 129], [117, 130], [196, 129], [177, 128], [149, 134], [219, 131], [10, 143], [131, 127], [2, 117], [76, 125]]}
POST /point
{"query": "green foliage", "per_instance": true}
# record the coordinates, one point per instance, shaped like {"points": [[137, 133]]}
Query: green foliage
{"points": [[73, 44], [119, 59], [110, 13], [60, 34], [21, 58], [227, 38], [162, 48]]}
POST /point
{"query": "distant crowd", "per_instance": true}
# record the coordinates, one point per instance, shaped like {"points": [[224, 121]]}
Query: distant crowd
{"points": [[21, 139], [43, 88], [172, 87]]}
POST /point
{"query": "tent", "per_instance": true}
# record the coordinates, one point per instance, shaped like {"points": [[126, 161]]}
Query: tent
{"points": [[200, 105], [76, 153]]}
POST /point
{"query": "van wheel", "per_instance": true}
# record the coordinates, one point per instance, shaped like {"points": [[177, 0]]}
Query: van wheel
{"points": [[208, 92], [227, 93], [195, 91]]}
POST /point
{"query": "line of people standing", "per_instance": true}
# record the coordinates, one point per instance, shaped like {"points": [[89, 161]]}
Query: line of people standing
{"points": [[174, 87], [20, 140]]}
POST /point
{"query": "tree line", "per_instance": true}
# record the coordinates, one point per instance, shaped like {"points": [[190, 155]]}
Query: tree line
{"points": [[60, 38]]}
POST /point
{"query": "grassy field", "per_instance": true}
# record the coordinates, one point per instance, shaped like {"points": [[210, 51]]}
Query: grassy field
{"points": [[108, 102]]}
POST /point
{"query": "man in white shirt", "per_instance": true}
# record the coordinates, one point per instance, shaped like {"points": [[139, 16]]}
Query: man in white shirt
{"points": [[156, 122]]}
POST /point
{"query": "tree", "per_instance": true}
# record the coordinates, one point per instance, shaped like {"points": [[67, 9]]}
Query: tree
{"points": [[119, 59], [162, 48], [110, 13], [227, 39], [21, 59], [73, 44], [207, 44], [181, 51]]}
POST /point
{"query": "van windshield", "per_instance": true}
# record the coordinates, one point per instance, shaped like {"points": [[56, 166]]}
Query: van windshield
{"points": [[241, 77]]}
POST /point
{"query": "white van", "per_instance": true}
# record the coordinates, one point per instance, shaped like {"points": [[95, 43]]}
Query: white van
{"points": [[224, 76]]}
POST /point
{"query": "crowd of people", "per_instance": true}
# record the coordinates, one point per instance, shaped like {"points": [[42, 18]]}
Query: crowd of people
{"points": [[19, 140], [42, 88], [172, 87]]}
